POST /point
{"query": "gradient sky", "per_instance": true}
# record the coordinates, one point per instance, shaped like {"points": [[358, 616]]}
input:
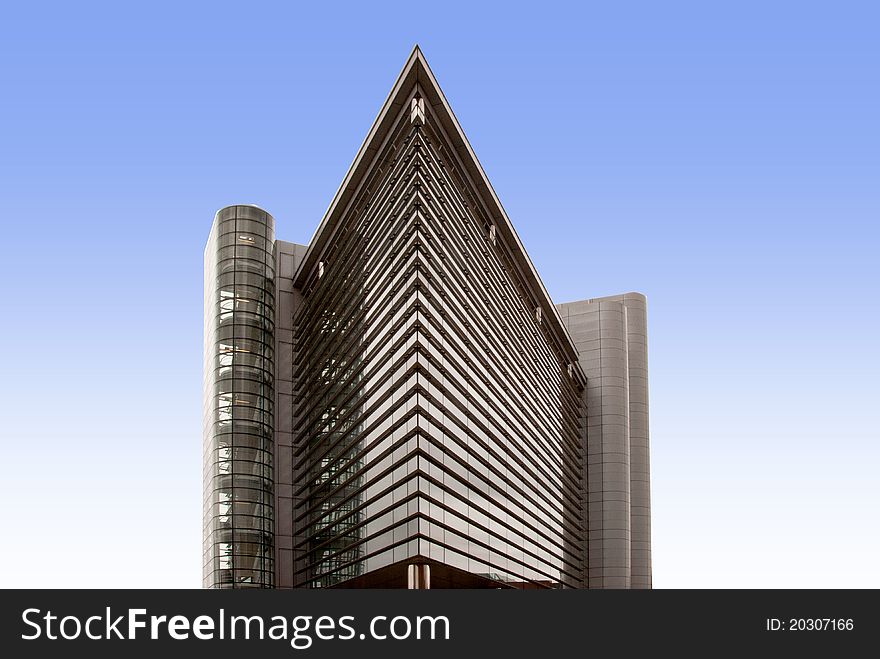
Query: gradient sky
{"points": [[723, 158]]}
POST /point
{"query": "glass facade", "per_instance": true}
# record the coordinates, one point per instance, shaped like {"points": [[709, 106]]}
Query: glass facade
{"points": [[436, 416], [239, 398]]}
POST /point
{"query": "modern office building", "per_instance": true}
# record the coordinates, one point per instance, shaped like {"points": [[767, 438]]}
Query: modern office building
{"points": [[399, 403]]}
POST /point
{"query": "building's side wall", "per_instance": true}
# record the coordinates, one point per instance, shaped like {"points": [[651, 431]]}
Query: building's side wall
{"points": [[610, 334], [238, 400], [287, 259]]}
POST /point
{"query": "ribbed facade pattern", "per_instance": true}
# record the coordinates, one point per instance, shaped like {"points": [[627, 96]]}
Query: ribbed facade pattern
{"points": [[435, 416], [239, 398]]}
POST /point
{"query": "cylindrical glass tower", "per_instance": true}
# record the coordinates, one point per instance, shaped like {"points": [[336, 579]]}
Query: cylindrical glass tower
{"points": [[239, 399]]}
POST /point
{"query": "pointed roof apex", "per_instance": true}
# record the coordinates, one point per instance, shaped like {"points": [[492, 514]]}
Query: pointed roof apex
{"points": [[415, 54], [417, 77]]}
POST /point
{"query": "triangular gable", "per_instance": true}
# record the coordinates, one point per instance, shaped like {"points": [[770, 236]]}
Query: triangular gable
{"points": [[417, 78]]}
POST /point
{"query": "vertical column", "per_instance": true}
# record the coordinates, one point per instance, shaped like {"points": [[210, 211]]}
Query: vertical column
{"points": [[611, 336], [598, 328], [239, 400], [418, 576]]}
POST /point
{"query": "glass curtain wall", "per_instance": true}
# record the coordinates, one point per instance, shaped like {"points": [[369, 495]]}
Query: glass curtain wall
{"points": [[239, 398]]}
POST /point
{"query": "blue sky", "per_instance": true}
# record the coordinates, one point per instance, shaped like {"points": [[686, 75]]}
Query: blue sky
{"points": [[722, 158]]}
